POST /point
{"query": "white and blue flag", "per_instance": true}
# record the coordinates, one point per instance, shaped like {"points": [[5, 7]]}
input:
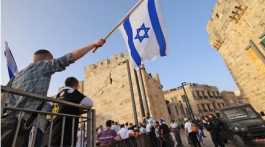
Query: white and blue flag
{"points": [[143, 32], [11, 63]]}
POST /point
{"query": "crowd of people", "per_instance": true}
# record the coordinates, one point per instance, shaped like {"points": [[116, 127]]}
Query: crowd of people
{"points": [[163, 134], [160, 133]]}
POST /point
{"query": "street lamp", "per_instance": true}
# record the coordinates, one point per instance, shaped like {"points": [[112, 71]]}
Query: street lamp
{"points": [[186, 100]]}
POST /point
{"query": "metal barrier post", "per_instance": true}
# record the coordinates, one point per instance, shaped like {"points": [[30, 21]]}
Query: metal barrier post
{"points": [[93, 128], [62, 133], [82, 134], [50, 132], [89, 129], [17, 129], [73, 132]]}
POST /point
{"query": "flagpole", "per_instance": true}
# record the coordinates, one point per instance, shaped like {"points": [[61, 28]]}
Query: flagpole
{"points": [[125, 17], [121, 21]]}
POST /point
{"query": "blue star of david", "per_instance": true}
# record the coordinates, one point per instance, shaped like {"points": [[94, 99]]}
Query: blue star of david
{"points": [[141, 36]]}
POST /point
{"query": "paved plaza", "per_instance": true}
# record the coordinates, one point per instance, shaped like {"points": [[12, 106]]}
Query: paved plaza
{"points": [[208, 142]]}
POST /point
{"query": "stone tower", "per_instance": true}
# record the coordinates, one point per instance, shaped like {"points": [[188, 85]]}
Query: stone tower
{"points": [[107, 83], [237, 31]]}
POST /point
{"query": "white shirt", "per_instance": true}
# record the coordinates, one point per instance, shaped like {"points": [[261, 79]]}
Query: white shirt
{"points": [[116, 128], [123, 133], [173, 125], [87, 102], [188, 126], [148, 128]]}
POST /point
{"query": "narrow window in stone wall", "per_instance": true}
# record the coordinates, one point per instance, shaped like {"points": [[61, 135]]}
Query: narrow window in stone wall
{"points": [[263, 42], [198, 94], [110, 78], [214, 94], [218, 94], [194, 94], [219, 105], [209, 93], [199, 108], [209, 108], [256, 56], [204, 107], [204, 94], [214, 105]]}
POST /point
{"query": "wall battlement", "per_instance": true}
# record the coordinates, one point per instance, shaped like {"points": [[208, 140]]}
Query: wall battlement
{"points": [[114, 61], [107, 63]]}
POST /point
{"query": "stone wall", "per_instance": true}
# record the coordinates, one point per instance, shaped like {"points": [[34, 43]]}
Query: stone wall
{"points": [[236, 30]]}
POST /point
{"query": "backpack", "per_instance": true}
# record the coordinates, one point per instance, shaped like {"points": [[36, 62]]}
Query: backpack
{"points": [[56, 108]]}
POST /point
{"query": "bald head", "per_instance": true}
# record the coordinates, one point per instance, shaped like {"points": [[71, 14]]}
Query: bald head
{"points": [[41, 55]]}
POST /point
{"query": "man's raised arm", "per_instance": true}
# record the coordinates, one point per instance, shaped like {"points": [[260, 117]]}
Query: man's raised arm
{"points": [[80, 52]]}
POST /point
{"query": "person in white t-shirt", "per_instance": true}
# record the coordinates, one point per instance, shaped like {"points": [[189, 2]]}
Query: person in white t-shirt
{"points": [[173, 124], [188, 126], [115, 126], [148, 128], [190, 129], [176, 132], [123, 132]]}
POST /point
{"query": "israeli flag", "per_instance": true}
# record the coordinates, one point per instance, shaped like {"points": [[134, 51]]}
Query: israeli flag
{"points": [[143, 32], [11, 63]]}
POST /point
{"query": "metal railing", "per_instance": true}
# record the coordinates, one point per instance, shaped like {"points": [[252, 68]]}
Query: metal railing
{"points": [[86, 121]]}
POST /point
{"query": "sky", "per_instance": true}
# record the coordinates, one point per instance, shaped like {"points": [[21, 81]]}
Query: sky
{"points": [[63, 25]]}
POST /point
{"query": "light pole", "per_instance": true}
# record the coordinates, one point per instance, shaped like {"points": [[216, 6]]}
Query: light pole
{"points": [[187, 102]]}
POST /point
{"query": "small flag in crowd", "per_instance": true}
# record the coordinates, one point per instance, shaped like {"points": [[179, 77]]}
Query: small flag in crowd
{"points": [[143, 32], [11, 63]]}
